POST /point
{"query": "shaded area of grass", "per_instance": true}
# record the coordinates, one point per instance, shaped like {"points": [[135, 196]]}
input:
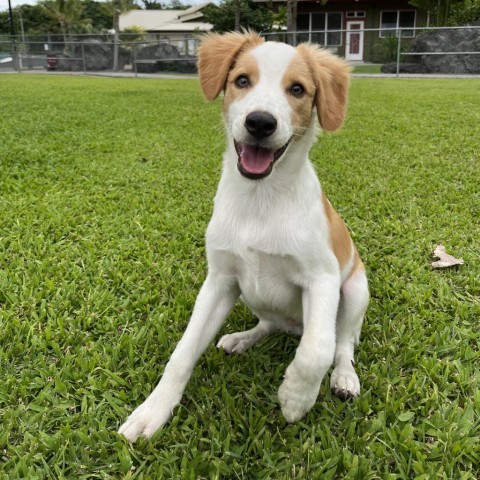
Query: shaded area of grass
{"points": [[106, 189]]}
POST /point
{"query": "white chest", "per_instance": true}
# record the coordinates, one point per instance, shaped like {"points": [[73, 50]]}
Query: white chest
{"points": [[269, 283], [273, 238]]}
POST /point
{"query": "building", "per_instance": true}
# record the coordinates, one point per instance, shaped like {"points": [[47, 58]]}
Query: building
{"points": [[359, 30], [178, 27]]}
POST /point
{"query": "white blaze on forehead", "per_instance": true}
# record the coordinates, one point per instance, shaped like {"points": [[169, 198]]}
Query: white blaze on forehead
{"points": [[266, 93], [273, 60]]}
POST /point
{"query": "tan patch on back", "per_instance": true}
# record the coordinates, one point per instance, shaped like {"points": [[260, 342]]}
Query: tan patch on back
{"points": [[247, 65], [298, 72], [340, 240]]}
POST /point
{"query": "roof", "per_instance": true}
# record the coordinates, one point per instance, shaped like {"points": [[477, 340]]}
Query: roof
{"points": [[166, 20]]}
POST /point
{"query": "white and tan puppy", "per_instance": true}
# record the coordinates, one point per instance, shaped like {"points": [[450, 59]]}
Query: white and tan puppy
{"points": [[273, 240]]}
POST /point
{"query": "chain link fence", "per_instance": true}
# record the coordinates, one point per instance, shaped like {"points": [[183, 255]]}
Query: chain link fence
{"points": [[444, 51], [97, 53], [440, 50]]}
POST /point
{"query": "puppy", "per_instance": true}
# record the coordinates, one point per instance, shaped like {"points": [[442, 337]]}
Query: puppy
{"points": [[274, 240]]}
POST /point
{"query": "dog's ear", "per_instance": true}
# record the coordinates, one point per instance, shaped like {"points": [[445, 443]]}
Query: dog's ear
{"points": [[216, 55], [332, 78]]}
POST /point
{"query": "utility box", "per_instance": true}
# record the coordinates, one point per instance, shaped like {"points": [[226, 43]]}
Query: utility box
{"points": [[52, 61]]}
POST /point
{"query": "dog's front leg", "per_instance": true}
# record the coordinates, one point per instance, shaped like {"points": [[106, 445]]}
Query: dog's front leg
{"points": [[316, 350], [214, 302]]}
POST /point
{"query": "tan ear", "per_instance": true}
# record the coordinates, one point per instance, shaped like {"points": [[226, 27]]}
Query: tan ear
{"points": [[216, 55], [332, 78]]}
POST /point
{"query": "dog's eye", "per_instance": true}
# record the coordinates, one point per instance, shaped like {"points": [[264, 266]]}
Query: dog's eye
{"points": [[242, 81], [297, 90]]}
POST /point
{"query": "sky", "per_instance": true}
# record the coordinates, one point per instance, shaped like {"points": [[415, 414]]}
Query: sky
{"points": [[4, 3]]}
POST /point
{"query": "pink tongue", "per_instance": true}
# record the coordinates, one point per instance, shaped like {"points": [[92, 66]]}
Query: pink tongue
{"points": [[255, 159]]}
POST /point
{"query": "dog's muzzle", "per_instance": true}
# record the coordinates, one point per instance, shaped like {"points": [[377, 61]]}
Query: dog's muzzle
{"points": [[254, 160]]}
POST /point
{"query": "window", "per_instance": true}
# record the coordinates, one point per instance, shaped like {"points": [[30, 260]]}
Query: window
{"points": [[392, 20], [321, 28], [303, 21], [356, 14]]}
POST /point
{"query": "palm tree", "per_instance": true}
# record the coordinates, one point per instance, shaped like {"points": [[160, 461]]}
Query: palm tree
{"points": [[115, 8], [66, 12]]}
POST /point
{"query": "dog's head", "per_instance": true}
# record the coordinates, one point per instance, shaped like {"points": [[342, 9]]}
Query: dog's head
{"points": [[270, 93]]}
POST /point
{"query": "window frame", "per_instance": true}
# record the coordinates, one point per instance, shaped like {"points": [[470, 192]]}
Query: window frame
{"points": [[406, 32], [356, 14], [325, 32]]}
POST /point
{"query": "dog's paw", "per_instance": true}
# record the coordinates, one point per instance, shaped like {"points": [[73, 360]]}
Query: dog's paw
{"points": [[238, 342], [144, 421], [344, 383], [296, 395]]}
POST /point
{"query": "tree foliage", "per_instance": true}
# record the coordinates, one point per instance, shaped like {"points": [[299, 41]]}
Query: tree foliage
{"points": [[152, 5], [68, 13], [121, 6], [35, 20], [465, 12], [449, 12], [222, 17], [56, 16], [96, 12], [175, 5]]}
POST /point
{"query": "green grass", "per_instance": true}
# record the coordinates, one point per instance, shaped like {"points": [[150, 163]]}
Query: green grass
{"points": [[367, 69], [106, 189]]}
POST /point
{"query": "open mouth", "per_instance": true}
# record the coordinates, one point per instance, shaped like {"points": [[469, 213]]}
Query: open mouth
{"points": [[256, 162]]}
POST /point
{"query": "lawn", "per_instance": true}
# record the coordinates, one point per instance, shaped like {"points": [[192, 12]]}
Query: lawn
{"points": [[106, 189], [371, 69]]}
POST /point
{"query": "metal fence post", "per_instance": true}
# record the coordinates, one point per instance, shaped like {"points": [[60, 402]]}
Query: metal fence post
{"points": [[135, 59], [83, 59], [15, 56], [26, 47], [399, 46]]}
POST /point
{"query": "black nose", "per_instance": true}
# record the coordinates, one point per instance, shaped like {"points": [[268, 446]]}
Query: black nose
{"points": [[260, 124]]}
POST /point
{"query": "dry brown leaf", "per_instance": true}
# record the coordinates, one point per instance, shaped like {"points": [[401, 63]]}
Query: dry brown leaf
{"points": [[445, 260]]}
